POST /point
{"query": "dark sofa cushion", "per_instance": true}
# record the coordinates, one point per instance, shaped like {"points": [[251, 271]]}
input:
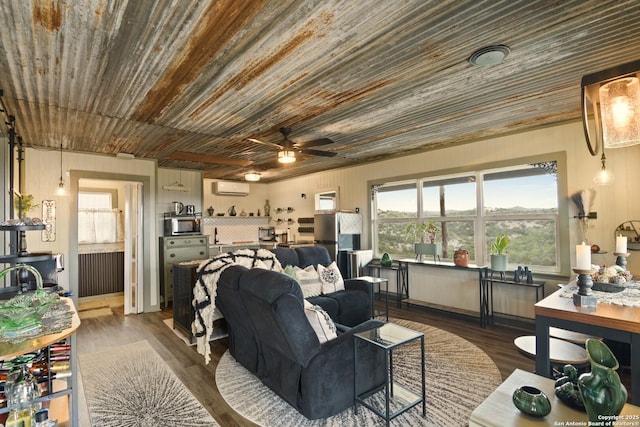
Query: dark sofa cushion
{"points": [[313, 255], [243, 341], [267, 294], [353, 306], [286, 256]]}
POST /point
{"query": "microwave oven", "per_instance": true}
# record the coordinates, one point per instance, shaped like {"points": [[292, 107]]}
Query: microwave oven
{"points": [[182, 225]]}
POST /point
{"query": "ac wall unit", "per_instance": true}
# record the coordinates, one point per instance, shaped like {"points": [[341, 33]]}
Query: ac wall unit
{"points": [[229, 188]]}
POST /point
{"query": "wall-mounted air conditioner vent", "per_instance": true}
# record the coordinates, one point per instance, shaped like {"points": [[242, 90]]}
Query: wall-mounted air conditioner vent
{"points": [[229, 188]]}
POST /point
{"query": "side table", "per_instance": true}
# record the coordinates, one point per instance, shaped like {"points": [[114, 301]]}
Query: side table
{"points": [[379, 281], [401, 269], [393, 398]]}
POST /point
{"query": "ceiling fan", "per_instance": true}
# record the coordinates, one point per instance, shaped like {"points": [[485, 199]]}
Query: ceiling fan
{"points": [[287, 149]]}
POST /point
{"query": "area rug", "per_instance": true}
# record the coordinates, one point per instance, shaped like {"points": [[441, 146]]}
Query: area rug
{"points": [[131, 385], [459, 376]]}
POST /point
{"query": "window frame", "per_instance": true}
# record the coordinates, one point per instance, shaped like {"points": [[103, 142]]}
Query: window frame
{"points": [[480, 218]]}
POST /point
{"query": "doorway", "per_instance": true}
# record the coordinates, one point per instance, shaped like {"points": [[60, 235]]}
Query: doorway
{"points": [[136, 235], [109, 225]]}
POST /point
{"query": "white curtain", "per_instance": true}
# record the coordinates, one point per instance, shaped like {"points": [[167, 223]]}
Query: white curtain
{"points": [[98, 226]]}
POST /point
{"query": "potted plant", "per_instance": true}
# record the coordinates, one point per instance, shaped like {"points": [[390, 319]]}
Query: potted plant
{"points": [[499, 257], [23, 204], [424, 236]]}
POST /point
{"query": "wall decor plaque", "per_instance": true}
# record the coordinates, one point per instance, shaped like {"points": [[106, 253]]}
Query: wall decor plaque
{"points": [[49, 219]]}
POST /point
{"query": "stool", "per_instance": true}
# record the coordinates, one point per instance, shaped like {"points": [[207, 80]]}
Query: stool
{"points": [[560, 352], [570, 336]]}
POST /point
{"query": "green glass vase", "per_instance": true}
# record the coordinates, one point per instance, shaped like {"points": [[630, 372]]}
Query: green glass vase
{"points": [[602, 392]]}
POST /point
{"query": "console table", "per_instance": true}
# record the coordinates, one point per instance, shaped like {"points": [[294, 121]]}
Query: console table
{"points": [[401, 269], [615, 322], [486, 292]]}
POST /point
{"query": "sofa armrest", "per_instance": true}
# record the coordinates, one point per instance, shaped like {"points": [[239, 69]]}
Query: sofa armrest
{"points": [[342, 328], [346, 338], [358, 285], [332, 368], [361, 285]]}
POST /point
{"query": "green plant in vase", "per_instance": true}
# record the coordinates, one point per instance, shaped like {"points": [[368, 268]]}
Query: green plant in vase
{"points": [[23, 203], [424, 237], [499, 256]]}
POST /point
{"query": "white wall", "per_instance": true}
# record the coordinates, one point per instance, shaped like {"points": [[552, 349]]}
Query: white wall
{"points": [[42, 173], [614, 205], [221, 204]]}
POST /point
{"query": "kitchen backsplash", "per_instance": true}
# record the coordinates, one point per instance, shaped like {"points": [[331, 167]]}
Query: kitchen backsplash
{"points": [[234, 229]]}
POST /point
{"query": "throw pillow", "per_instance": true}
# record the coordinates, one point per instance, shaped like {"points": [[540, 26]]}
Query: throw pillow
{"points": [[309, 281], [290, 270], [331, 278], [320, 321]]}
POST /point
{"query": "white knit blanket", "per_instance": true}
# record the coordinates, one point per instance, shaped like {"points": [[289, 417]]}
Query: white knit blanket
{"points": [[204, 291]]}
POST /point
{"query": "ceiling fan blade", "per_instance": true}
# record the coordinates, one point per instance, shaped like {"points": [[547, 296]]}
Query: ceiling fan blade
{"points": [[317, 152], [314, 143], [270, 144], [204, 158]]}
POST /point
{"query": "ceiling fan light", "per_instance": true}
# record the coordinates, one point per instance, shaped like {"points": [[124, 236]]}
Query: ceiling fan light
{"points": [[252, 176], [286, 156]]}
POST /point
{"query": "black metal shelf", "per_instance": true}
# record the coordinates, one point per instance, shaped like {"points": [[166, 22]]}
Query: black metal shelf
{"points": [[34, 227], [32, 257]]}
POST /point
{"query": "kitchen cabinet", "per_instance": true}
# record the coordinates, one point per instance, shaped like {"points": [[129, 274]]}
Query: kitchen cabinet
{"points": [[176, 249]]}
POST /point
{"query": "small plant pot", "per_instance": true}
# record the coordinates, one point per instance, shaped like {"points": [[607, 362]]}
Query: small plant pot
{"points": [[499, 262], [432, 249]]}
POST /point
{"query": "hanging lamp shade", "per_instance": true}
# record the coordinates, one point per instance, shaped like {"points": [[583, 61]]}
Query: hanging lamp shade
{"points": [[611, 107]]}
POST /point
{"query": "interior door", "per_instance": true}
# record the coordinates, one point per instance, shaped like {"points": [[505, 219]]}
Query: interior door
{"points": [[133, 268]]}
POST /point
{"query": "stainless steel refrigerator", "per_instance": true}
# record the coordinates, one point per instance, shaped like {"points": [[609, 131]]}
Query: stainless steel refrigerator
{"points": [[339, 232]]}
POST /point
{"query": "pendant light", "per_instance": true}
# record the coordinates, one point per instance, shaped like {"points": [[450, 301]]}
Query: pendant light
{"points": [[611, 107], [605, 176], [60, 191]]}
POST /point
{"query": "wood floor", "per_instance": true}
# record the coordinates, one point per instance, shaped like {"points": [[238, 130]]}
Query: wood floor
{"points": [[98, 333]]}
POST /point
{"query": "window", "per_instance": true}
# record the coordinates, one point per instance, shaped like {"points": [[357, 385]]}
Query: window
{"points": [[471, 209], [98, 222]]}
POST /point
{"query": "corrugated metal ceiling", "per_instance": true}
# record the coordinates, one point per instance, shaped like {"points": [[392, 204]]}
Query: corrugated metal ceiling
{"points": [[153, 77]]}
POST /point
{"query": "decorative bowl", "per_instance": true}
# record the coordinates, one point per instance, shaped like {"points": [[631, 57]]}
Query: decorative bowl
{"points": [[532, 401]]}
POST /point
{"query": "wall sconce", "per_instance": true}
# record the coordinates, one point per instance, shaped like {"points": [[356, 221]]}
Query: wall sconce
{"points": [[611, 99], [286, 156], [252, 176], [60, 190]]}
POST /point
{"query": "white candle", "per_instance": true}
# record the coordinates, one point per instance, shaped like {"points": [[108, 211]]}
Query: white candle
{"points": [[583, 257], [621, 244]]}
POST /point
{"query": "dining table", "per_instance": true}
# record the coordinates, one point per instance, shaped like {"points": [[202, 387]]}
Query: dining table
{"points": [[616, 316]]}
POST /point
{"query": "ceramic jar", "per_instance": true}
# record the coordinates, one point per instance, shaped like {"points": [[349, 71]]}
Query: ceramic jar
{"points": [[531, 401], [602, 392], [461, 257]]}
